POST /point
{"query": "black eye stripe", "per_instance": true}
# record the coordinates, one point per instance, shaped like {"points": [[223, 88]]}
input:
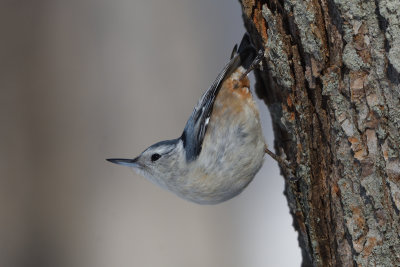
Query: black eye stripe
{"points": [[155, 157]]}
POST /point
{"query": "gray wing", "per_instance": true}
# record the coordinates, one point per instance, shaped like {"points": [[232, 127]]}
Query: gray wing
{"points": [[196, 126]]}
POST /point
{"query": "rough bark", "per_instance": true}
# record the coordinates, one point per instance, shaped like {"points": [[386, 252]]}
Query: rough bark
{"points": [[331, 81]]}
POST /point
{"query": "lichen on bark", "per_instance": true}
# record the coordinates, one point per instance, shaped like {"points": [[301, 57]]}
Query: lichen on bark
{"points": [[331, 81]]}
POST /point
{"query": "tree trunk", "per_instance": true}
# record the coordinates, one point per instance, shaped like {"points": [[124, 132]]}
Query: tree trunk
{"points": [[331, 81]]}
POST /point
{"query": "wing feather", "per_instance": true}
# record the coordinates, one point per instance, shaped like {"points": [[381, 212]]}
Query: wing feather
{"points": [[196, 126]]}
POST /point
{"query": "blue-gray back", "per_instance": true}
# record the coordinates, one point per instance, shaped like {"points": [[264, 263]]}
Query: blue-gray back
{"points": [[196, 126]]}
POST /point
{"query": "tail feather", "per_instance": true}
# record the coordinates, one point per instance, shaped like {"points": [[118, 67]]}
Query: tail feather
{"points": [[246, 51]]}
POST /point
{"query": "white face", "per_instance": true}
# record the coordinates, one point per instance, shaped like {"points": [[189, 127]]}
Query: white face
{"points": [[159, 163]]}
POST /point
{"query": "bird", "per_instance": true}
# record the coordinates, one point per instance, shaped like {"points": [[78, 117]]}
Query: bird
{"points": [[222, 146]]}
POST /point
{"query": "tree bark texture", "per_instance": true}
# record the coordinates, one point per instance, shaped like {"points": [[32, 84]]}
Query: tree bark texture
{"points": [[331, 81]]}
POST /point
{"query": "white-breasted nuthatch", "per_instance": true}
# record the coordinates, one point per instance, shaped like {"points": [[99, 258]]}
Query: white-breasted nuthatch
{"points": [[222, 146]]}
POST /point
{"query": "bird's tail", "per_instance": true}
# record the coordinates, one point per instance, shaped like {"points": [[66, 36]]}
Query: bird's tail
{"points": [[247, 52]]}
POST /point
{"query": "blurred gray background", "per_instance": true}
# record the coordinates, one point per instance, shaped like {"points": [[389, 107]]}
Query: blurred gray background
{"points": [[85, 80]]}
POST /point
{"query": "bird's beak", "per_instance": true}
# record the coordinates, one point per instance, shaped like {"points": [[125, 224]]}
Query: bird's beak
{"points": [[125, 162]]}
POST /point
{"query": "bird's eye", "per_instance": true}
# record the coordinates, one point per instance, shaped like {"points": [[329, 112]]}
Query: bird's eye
{"points": [[155, 157]]}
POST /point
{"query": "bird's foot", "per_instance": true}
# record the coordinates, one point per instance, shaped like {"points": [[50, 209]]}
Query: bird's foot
{"points": [[255, 64], [283, 162]]}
